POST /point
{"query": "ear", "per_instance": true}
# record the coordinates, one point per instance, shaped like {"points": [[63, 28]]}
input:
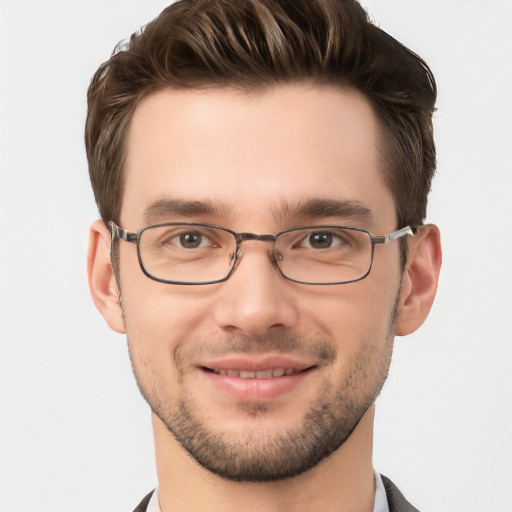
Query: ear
{"points": [[102, 281], [420, 279]]}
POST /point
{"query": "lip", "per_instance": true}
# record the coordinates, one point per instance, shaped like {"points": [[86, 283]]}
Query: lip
{"points": [[222, 375]]}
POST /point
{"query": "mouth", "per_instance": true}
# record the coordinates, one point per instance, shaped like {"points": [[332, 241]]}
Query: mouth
{"points": [[269, 373], [257, 380]]}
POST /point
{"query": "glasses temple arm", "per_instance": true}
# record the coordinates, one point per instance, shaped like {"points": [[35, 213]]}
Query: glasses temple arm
{"points": [[394, 235], [121, 233]]}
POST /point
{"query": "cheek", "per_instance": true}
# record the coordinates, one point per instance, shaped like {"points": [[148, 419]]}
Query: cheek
{"points": [[160, 312], [152, 342], [160, 319], [354, 312]]}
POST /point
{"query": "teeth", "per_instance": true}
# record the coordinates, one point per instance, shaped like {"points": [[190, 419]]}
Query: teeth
{"points": [[261, 374]]}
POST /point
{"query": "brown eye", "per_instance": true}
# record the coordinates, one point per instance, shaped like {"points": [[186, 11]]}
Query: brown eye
{"points": [[190, 240], [321, 240]]}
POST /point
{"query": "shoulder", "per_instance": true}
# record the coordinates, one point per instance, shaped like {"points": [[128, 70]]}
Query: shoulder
{"points": [[143, 505], [396, 500]]}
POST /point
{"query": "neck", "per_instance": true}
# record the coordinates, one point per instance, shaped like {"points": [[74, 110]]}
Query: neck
{"points": [[342, 482]]}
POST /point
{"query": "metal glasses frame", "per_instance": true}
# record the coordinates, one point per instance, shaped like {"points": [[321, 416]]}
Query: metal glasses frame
{"points": [[123, 234]]}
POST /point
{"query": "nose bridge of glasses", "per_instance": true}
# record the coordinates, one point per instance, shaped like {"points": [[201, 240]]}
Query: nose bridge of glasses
{"points": [[244, 237]]}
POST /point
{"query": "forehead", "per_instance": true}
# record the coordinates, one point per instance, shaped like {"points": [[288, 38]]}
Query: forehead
{"points": [[250, 155]]}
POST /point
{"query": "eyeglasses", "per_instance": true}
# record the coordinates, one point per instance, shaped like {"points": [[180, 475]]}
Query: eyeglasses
{"points": [[191, 254]]}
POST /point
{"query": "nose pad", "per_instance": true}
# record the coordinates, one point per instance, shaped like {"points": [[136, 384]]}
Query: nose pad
{"points": [[274, 255], [234, 258]]}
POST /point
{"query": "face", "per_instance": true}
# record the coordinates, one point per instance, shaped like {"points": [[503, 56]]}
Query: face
{"points": [[259, 378]]}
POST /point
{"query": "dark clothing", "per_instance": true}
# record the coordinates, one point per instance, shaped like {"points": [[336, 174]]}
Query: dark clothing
{"points": [[396, 500]]}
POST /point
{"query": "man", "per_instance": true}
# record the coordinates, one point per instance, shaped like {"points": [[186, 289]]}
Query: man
{"points": [[262, 169]]}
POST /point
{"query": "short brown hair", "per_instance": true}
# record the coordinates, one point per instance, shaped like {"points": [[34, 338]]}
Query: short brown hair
{"points": [[254, 44]]}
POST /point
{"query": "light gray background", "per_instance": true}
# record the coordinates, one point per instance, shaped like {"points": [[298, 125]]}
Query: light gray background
{"points": [[74, 433]]}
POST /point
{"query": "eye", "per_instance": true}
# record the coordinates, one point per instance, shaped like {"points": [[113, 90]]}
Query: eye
{"points": [[321, 240], [190, 240]]}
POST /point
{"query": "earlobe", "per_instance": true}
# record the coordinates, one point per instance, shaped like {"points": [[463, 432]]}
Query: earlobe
{"points": [[421, 275], [102, 282]]}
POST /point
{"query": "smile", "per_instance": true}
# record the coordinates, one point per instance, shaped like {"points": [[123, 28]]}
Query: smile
{"points": [[260, 374], [256, 382]]}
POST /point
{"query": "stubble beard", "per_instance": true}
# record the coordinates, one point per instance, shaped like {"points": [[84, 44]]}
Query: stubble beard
{"points": [[255, 456]]}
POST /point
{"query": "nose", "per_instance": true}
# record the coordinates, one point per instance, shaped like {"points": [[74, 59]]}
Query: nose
{"points": [[256, 298]]}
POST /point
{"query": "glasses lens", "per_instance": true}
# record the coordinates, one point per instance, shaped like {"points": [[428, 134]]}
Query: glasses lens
{"points": [[184, 253], [324, 255]]}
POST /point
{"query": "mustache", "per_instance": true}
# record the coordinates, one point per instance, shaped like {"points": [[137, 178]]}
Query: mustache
{"points": [[318, 348]]}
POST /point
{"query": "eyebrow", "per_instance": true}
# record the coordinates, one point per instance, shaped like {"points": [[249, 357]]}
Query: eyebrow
{"points": [[324, 208], [165, 208], [311, 209]]}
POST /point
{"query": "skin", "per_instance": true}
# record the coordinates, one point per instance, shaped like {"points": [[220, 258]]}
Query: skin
{"points": [[253, 158]]}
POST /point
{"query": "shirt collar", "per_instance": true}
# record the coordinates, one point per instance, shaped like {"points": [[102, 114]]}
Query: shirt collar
{"points": [[380, 503]]}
